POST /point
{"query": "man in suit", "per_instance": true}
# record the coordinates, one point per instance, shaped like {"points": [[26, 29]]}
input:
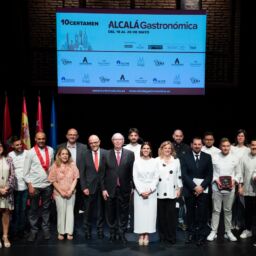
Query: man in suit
{"points": [[77, 151], [197, 173], [91, 186], [116, 187]]}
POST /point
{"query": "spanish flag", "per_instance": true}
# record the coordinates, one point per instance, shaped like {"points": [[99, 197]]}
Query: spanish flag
{"points": [[24, 134]]}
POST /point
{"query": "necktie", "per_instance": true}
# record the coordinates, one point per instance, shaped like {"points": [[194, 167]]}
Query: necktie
{"points": [[96, 160], [118, 157], [197, 161], [118, 162]]}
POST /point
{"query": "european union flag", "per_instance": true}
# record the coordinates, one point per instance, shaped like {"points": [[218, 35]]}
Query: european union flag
{"points": [[53, 127]]}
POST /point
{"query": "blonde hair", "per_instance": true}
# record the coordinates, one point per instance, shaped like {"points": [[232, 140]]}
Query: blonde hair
{"points": [[163, 144], [58, 160]]}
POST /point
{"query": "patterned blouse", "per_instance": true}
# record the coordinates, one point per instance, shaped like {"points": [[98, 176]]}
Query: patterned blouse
{"points": [[64, 175], [10, 182]]}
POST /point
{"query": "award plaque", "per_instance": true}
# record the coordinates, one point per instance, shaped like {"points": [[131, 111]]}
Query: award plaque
{"points": [[226, 182]]}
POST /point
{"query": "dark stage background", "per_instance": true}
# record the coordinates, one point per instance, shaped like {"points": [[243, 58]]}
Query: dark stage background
{"points": [[229, 103]]}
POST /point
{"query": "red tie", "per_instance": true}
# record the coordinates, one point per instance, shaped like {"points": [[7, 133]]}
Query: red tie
{"points": [[118, 162], [118, 157], [96, 160]]}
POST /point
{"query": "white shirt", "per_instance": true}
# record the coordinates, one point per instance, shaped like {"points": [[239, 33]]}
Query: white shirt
{"points": [[211, 151], [33, 171], [247, 166], [225, 165], [196, 154], [134, 148], [72, 149], [239, 151], [18, 162]]}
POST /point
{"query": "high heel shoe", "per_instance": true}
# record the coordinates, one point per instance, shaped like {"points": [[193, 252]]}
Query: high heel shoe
{"points": [[70, 237], [60, 237], [6, 241], [145, 241], [141, 241]]}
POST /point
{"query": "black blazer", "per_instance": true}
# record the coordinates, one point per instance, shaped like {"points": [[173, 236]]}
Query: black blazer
{"points": [[190, 171], [80, 154], [113, 171], [89, 177]]}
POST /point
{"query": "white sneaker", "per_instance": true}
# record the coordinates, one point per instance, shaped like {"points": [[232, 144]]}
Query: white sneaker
{"points": [[229, 235], [246, 233], [212, 236]]}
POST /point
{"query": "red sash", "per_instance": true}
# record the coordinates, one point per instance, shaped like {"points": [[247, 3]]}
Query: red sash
{"points": [[45, 164]]}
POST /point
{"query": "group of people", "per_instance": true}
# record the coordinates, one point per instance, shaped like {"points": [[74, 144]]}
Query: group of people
{"points": [[127, 183]]}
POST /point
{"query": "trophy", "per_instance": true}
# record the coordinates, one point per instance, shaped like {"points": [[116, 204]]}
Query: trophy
{"points": [[226, 182]]}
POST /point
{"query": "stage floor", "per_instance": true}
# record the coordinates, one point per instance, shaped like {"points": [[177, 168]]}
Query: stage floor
{"points": [[79, 246]]}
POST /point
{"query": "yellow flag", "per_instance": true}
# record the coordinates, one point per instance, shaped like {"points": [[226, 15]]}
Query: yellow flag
{"points": [[24, 134]]}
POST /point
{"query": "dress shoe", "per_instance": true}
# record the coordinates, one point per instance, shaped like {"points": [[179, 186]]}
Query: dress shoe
{"points": [[31, 237], [162, 240], [123, 239], [47, 235], [100, 235], [189, 238], [112, 238], [200, 242], [145, 241], [88, 236], [141, 241], [172, 241]]}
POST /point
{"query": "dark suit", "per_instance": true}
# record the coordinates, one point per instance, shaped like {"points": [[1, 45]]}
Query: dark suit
{"points": [[197, 206], [117, 205], [90, 179], [80, 163]]}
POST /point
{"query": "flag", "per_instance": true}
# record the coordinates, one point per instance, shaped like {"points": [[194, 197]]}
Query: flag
{"points": [[39, 118], [7, 128], [24, 133], [53, 128]]}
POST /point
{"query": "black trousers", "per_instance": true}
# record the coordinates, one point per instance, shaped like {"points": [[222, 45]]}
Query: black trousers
{"points": [[94, 203], [117, 210], [45, 195], [79, 203], [250, 212], [167, 219], [197, 215]]}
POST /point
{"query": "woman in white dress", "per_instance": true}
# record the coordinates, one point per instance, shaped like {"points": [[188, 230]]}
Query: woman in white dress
{"points": [[168, 190], [145, 199]]}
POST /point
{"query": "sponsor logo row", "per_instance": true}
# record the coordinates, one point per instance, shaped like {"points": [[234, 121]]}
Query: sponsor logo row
{"points": [[140, 62], [177, 80]]}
